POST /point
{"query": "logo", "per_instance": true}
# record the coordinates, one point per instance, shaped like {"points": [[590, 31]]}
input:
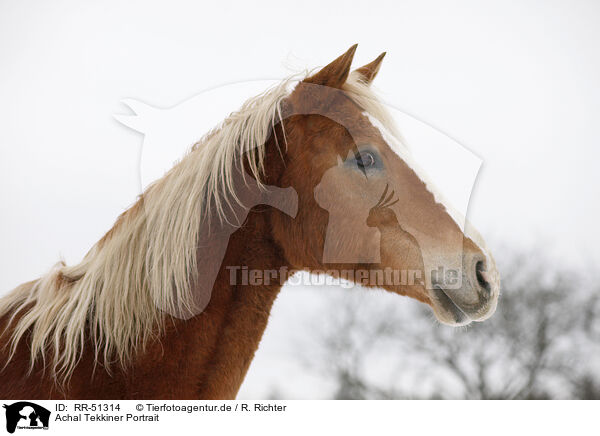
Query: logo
{"points": [[26, 415]]}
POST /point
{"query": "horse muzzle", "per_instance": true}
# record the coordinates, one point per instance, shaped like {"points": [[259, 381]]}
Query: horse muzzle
{"points": [[477, 297]]}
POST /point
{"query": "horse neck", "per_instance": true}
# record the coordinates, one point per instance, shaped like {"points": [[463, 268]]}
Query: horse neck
{"points": [[208, 356]]}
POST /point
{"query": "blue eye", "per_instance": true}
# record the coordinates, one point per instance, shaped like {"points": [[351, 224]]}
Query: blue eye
{"points": [[365, 160]]}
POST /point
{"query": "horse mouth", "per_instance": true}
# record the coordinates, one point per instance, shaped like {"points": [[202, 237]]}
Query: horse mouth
{"points": [[446, 310]]}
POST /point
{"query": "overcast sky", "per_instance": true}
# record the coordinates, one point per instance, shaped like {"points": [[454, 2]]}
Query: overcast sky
{"points": [[514, 82]]}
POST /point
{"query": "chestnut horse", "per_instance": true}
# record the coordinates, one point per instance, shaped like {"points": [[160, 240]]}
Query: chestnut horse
{"points": [[311, 175]]}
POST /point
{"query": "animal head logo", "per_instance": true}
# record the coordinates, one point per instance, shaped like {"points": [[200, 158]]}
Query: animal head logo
{"points": [[385, 198], [26, 415]]}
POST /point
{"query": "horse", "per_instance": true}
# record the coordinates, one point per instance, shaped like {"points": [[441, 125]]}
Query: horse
{"points": [[312, 175]]}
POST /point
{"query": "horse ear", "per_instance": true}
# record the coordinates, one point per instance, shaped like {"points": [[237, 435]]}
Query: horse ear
{"points": [[368, 72], [336, 73]]}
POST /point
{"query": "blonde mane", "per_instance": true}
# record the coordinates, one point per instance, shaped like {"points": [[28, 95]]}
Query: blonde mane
{"points": [[116, 297]]}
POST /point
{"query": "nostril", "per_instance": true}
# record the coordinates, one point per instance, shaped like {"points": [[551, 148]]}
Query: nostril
{"points": [[480, 274]]}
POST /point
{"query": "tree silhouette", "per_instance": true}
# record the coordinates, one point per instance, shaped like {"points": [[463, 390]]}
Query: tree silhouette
{"points": [[542, 343]]}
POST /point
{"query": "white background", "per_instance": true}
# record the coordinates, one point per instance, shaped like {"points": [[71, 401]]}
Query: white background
{"points": [[515, 82]]}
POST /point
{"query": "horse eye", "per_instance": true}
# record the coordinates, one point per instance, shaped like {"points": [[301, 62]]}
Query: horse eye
{"points": [[365, 160]]}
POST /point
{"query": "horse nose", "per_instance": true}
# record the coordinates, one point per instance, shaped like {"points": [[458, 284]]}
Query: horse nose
{"points": [[476, 297], [482, 278], [478, 275], [484, 285]]}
